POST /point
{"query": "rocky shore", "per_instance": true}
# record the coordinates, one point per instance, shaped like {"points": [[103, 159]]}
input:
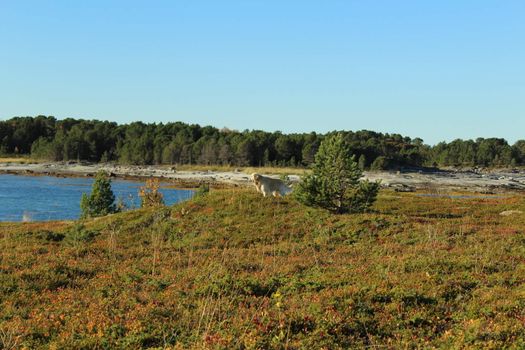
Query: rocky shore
{"points": [[406, 181], [488, 182], [169, 174]]}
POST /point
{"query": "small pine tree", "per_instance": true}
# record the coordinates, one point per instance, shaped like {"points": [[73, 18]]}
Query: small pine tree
{"points": [[101, 201], [334, 183], [202, 190], [149, 194], [380, 163], [362, 162]]}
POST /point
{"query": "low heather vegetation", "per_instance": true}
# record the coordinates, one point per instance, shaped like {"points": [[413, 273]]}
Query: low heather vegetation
{"points": [[230, 270]]}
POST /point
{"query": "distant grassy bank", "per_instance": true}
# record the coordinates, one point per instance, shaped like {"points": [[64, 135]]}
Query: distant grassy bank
{"points": [[232, 270], [19, 160]]}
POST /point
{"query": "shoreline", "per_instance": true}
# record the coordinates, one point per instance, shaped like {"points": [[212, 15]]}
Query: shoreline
{"points": [[487, 182], [180, 179]]}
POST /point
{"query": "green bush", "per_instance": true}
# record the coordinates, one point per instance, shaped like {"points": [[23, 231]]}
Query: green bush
{"points": [[101, 201], [380, 163], [334, 183], [202, 190], [79, 234]]}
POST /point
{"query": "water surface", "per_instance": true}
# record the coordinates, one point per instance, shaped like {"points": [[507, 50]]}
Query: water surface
{"points": [[36, 198]]}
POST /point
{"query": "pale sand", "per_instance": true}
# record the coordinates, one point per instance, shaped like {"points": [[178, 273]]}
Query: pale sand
{"points": [[466, 180]]}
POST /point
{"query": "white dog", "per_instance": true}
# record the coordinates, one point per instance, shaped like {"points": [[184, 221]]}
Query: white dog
{"points": [[267, 185]]}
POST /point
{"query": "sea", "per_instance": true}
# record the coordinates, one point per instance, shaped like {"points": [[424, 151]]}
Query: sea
{"points": [[44, 198]]}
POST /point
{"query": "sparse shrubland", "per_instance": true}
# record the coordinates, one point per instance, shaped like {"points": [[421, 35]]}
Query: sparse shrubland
{"points": [[231, 270]]}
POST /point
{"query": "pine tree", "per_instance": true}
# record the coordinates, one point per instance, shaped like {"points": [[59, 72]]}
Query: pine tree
{"points": [[334, 183], [362, 162], [101, 201]]}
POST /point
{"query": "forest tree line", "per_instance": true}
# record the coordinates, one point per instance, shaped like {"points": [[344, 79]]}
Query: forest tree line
{"points": [[139, 143]]}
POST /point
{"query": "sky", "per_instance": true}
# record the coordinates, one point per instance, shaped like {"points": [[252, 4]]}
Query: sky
{"points": [[438, 70]]}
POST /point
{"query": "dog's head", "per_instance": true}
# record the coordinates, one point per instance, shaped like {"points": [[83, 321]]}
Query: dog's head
{"points": [[255, 177]]}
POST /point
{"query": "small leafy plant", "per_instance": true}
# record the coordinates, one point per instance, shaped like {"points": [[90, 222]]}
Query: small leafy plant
{"points": [[202, 190], [149, 194], [79, 234]]}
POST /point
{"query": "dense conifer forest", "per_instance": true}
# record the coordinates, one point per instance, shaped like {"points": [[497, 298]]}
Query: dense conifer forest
{"points": [[45, 137]]}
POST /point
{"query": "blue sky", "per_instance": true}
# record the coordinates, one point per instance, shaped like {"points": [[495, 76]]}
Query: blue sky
{"points": [[439, 70]]}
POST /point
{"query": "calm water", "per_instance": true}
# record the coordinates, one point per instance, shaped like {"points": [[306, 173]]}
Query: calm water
{"points": [[38, 198]]}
